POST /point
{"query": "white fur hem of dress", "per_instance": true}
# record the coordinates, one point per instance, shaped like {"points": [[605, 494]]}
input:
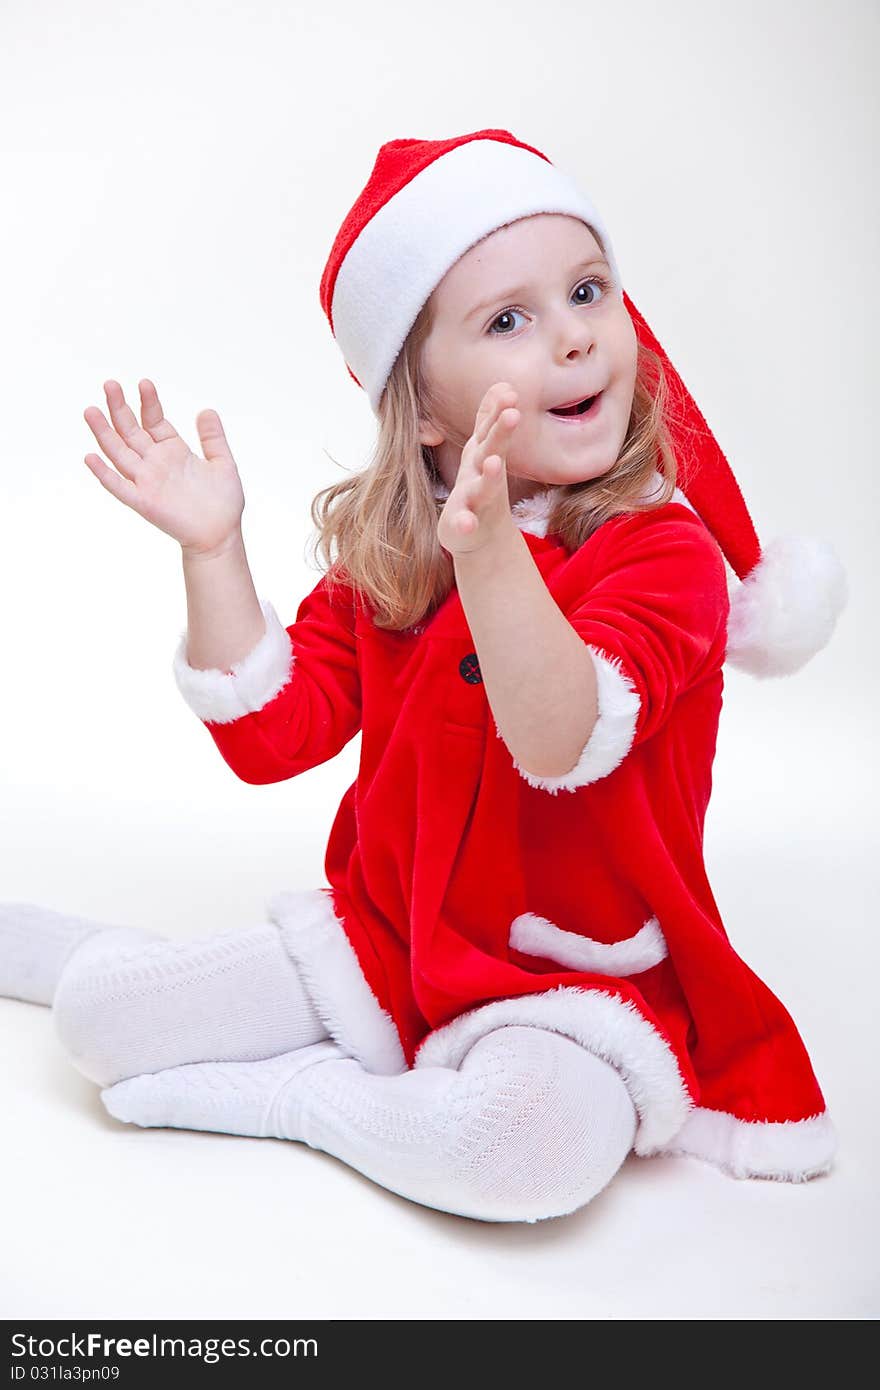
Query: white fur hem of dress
{"points": [[316, 941], [669, 1122], [602, 1022]]}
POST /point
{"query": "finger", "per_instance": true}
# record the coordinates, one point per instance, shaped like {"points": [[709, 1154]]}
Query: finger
{"points": [[113, 482], [126, 460], [485, 415], [499, 431], [493, 467], [505, 421], [492, 475], [494, 405], [214, 443], [125, 420], [479, 492], [152, 414]]}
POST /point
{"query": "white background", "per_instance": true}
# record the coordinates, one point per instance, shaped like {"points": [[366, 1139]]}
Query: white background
{"points": [[172, 181]]}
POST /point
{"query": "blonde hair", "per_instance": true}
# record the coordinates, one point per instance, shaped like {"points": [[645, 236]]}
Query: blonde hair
{"points": [[384, 520]]}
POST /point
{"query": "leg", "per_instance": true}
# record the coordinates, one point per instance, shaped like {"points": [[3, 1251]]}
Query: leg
{"points": [[36, 942], [127, 1005], [531, 1125]]}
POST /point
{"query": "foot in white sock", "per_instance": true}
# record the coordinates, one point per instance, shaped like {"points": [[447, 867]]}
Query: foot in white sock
{"points": [[36, 942], [531, 1125], [223, 1097]]}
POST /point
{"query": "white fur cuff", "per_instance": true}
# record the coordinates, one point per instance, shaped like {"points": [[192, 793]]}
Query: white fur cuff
{"points": [[219, 697], [612, 735]]}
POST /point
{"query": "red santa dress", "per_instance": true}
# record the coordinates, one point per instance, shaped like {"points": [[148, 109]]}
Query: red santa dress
{"points": [[464, 893]]}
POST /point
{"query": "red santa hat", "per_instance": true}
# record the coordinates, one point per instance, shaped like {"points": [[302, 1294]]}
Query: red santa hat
{"points": [[424, 205]]}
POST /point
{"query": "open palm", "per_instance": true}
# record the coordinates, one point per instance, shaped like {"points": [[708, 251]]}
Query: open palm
{"points": [[198, 501]]}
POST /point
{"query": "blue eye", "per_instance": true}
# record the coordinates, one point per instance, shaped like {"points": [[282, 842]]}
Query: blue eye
{"points": [[593, 280]]}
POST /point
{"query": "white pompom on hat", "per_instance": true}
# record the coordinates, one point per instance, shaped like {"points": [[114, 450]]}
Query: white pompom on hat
{"points": [[424, 205]]}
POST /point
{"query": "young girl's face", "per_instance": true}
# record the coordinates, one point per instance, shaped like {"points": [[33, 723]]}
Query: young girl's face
{"points": [[526, 306]]}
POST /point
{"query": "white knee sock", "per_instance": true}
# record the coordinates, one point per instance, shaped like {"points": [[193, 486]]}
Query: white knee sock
{"points": [[35, 943], [122, 1007], [531, 1125]]}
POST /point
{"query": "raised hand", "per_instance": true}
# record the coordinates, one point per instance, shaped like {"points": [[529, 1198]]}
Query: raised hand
{"points": [[478, 507], [198, 501]]}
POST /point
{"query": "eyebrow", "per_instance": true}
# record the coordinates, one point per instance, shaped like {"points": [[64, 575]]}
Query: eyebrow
{"points": [[520, 289]]}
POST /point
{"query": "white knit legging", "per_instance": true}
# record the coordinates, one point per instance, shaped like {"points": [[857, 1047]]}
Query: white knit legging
{"points": [[216, 1029]]}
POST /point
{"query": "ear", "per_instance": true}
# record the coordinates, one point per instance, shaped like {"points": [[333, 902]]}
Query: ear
{"points": [[429, 434]]}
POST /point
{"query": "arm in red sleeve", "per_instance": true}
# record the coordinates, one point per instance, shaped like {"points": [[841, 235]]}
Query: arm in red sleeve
{"points": [[654, 617], [294, 700]]}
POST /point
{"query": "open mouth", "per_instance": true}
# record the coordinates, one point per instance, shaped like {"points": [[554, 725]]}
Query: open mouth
{"points": [[587, 406]]}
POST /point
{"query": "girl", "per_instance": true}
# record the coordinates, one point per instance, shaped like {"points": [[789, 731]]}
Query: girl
{"points": [[517, 973]]}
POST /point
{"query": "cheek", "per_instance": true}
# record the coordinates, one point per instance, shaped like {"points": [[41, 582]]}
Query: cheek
{"points": [[632, 350]]}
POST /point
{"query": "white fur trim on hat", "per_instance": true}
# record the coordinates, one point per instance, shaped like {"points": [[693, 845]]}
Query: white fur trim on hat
{"points": [[413, 239]]}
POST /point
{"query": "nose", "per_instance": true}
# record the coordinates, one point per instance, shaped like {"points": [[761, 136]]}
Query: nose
{"points": [[576, 333]]}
